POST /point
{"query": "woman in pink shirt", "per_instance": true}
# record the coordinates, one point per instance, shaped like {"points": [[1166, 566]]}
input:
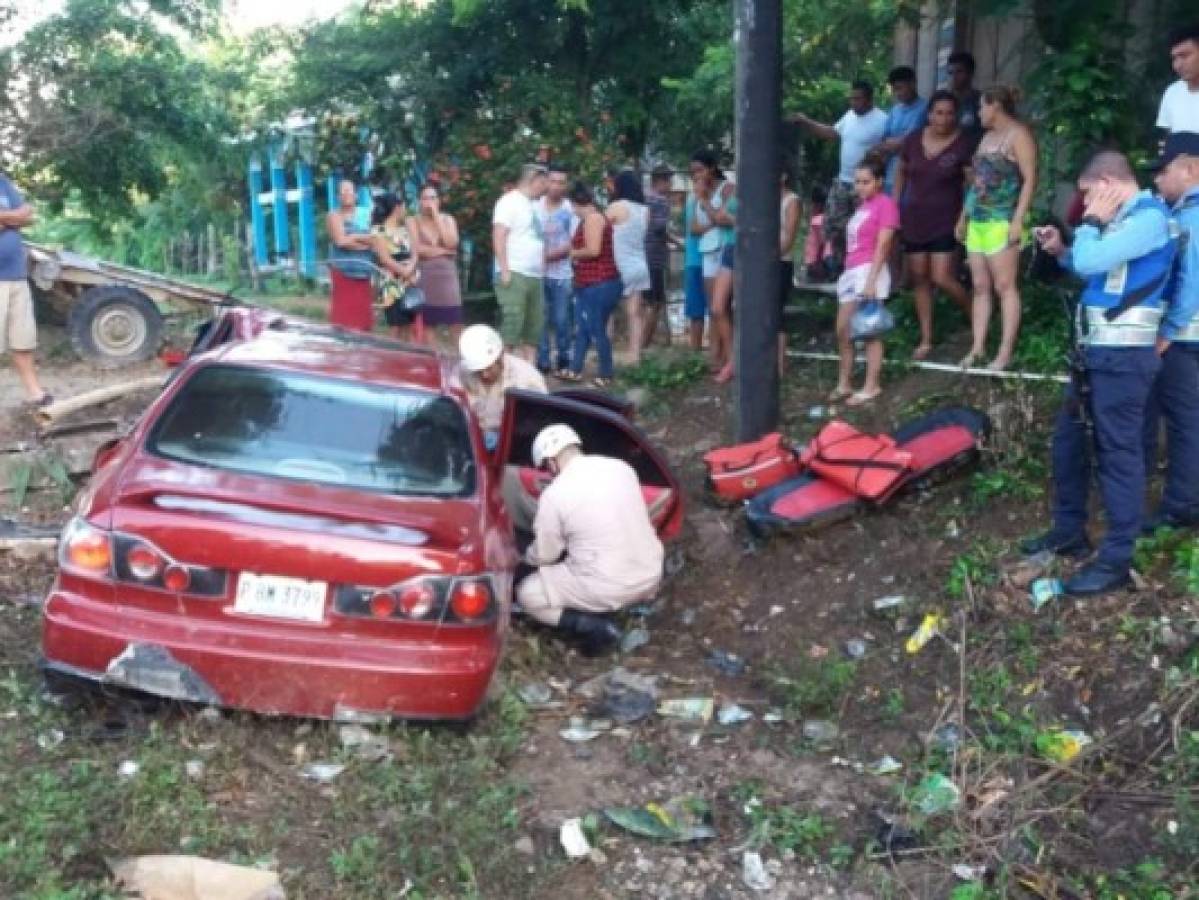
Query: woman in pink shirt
{"points": [[869, 238]]}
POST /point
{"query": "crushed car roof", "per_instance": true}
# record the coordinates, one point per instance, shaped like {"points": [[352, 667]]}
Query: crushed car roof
{"points": [[335, 352]]}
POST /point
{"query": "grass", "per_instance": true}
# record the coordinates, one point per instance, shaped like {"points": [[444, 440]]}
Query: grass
{"points": [[814, 687], [789, 829], [438, 819], [1173, 550], [665, 371]]}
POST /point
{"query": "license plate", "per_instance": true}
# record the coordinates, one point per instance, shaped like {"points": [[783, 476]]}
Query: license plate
{"points": [[281, 598]]}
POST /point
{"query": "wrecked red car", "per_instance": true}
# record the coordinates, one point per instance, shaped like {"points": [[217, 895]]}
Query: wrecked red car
{"points": [[307, 523]]}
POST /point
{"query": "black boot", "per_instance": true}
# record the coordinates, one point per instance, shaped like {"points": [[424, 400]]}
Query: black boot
{"points": [[596, 634], [1072, 545]]}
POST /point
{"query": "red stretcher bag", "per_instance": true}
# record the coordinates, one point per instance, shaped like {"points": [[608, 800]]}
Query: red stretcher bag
{"points": [[740, 472], [869, 465]]}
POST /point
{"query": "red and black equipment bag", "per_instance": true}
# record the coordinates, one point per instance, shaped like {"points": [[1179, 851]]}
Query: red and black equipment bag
{"points": [[871, 466], [740, 472]]}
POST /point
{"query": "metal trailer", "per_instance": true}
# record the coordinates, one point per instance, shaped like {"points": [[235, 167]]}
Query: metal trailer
{"points": [[114, 314]]}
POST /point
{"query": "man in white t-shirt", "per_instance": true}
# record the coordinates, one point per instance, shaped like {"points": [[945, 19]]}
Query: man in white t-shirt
{"points": [[1179, 109], [519, 247], [860, 130], [558, 223]]}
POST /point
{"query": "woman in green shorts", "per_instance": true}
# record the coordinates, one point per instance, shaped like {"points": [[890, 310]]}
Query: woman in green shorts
{"points": [[1004, 176]]}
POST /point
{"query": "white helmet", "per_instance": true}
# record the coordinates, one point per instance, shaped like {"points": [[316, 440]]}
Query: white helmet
{"points": [[551, 441], [479, 347]]}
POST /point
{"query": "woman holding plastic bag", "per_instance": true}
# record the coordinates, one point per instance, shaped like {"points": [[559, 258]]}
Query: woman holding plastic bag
{"points": [[865, 283]]}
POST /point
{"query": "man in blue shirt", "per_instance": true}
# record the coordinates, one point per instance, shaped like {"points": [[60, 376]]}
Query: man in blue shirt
{"points": [[906, 115], [1124, 251], [18, 330], [1176, 391]]}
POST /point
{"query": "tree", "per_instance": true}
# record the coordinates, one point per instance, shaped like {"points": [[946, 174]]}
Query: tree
{"points": [[102, 100], [464, 91], [825, 47]]}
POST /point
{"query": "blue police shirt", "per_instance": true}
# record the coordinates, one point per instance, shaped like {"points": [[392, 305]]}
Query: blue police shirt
{"points": [[1095, 252], [13, 265], [1184, 304]]}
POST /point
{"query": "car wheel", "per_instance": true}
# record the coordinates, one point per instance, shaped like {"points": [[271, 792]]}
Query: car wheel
{"points": [[114, 326]]}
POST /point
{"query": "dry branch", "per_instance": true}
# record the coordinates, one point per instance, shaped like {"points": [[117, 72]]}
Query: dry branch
{"points": [[50, 414]]}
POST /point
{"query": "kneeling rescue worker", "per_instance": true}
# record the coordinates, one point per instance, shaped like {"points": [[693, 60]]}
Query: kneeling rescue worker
{"points": [[1124, 251], [594, 546], [487, 372]]}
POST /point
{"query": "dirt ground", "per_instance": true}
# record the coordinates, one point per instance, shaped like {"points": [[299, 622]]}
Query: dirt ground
{"points": [[1122, 669]]}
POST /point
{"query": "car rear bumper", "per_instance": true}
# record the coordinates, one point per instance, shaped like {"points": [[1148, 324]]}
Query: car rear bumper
{"points": [[266, 669]]}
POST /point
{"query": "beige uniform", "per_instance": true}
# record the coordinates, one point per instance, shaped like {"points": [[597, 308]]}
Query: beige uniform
{"points": [[595, 513], [487, 400]]}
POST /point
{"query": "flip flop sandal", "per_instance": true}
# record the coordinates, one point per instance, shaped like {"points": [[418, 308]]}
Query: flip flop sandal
{"points": [[567, 375], [838, 394], [601, 383], [860, 398]]}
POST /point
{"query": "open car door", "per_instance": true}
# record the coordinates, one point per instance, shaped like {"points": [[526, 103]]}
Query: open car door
{"points": [[604, 432]]}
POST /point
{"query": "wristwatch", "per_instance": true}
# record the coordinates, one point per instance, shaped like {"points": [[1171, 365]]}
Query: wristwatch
{"points": [[1091, 220]]}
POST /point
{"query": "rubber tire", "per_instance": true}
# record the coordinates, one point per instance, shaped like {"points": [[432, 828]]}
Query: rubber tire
{"points": [[94, 302]]}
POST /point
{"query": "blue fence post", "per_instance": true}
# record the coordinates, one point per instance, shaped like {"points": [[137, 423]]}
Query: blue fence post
{"points": [[257, 216], [279, 192], [307, 212]]}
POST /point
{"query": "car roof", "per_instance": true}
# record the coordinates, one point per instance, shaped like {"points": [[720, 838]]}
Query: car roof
{"points": [[335, 352]]}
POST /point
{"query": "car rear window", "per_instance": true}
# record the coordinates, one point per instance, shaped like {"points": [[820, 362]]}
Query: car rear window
{"points": [[316, 429]]}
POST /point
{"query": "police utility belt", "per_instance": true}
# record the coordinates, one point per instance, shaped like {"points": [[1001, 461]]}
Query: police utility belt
{"points": [[1189, 333], [1136, 327]]}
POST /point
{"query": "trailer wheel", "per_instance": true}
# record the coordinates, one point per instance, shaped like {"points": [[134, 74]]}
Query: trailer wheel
{"points": [[114, 326]]}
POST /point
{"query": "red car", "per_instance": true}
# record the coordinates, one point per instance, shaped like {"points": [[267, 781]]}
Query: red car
{"points": [[307, 523]]}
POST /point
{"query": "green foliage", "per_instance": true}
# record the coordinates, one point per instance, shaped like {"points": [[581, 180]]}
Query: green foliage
{"points": [[975, 567], [35, 469], [656, 371], [1004, 725], [825, 47], [893, 704], [102, 99], [814, 686], [1147, 880], [464, 92], [1173, 548], [787, 828]]}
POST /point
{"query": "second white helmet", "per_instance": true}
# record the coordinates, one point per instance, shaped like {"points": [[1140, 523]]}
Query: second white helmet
{"points": [[551, 441], [479, 347]]}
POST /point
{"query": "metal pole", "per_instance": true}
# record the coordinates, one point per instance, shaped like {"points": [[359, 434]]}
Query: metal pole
{"points": [[759, 77]]}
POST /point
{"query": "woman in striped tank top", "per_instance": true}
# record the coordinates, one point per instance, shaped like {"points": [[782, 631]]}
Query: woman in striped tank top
{"points": [[597, 284]]}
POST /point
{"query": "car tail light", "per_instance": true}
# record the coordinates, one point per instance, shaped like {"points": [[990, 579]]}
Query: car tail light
{"points": [[86, 549], [417, 600], [470, 600], [177, 578], [144, 562], [432, 599], [383, 604], [137, 561]]}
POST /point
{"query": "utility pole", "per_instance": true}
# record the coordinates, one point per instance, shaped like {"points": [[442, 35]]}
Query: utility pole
{"points": [[759, 122]]}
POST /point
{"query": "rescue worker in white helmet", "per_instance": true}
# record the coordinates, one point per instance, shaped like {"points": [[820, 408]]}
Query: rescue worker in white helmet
{"points": [[488, 372], [594, 546]]}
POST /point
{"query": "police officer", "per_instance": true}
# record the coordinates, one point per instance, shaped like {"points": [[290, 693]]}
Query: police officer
{"points": [[1176, 391], [1123, 250]]}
